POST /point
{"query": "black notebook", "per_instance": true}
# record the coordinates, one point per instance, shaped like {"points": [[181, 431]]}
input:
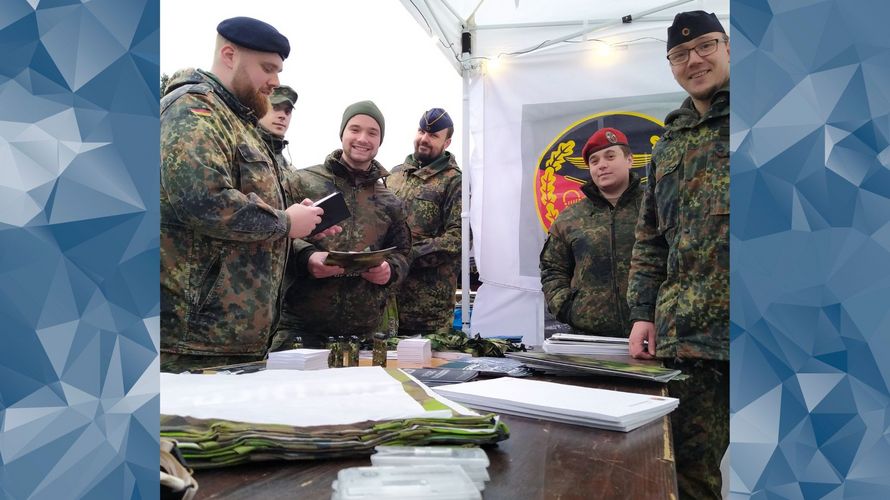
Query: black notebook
{"points": [[335, 210]]}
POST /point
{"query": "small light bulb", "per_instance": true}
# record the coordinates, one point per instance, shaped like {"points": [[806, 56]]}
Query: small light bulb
{"points": [[493, 65], [603, 50]]}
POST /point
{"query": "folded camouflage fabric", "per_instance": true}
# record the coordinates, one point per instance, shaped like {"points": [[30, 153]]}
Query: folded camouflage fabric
{"points": [[176, 479], [209, 443]]}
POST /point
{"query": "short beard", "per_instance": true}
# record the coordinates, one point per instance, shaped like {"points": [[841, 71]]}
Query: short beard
{"points": [[425, 159], [252, 98]]}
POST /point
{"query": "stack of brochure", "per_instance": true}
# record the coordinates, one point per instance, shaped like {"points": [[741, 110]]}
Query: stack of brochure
{"points": [[415, 352], [561, 364], [491, 367], [221, 420], [432, 377], [571, 343], [603, 409], [298, 359], [473, 461]]}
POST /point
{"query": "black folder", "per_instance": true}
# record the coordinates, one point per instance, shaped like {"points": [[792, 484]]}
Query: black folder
{"points": [[335, 210]]}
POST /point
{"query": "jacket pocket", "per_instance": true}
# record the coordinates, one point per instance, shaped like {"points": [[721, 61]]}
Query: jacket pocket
{"points": [[667, 195], [208, 286], [256, 174], [425, 217]]}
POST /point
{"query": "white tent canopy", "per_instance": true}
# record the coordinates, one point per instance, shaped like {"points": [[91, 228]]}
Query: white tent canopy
{"points": [[532, 69]]}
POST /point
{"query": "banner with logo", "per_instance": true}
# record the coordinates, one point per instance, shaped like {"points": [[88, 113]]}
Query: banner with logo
{"points": [[535, 116]]}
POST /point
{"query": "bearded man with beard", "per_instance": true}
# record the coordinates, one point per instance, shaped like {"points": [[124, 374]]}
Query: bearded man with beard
{"points": [[225, 223], [429, 182]]}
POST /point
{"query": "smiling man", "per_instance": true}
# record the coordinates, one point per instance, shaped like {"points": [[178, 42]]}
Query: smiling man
{"points": [[322, 300], [679, 278], [225, 222], [585, 260], [429, 182], [275, 123]]}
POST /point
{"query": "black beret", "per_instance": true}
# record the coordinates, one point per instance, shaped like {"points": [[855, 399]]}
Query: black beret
{"points": [[254, 34], [691, 25], [435, 120]]}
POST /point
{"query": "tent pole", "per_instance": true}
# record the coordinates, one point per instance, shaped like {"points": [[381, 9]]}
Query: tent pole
{"points": [[465, 199]]}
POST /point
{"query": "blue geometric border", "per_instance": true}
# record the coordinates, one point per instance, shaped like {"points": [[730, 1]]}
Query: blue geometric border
{"points": [[810, 249], [79, 222]]}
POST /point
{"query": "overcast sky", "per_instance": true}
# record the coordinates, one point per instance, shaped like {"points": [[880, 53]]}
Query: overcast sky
{"points": [[342, 51]]}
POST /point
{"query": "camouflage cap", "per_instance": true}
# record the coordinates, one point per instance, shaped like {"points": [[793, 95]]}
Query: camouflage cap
{"points": [[690, 25], [282, 94]]}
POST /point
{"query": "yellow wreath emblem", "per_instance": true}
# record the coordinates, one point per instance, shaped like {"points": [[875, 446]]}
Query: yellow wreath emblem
{"points": [[548, 180]]}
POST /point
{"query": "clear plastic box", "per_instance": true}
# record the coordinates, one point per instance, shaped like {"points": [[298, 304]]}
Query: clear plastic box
{"points": [[473, 460], [427, 482]]}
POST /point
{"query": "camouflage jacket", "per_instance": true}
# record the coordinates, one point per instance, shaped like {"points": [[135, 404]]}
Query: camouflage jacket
{"points": [[276, 145], [432, 196], [223, 226], [679, 274], [585, 261], [345, 304]]}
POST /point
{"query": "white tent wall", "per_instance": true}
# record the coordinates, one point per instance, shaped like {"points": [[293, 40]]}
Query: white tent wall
{"points": [[514, 110]]}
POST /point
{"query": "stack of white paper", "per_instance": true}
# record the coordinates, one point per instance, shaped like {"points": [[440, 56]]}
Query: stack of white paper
{"points": [[303, 399], [570, 343], [415, 351], [613, 410], [298, 359]]}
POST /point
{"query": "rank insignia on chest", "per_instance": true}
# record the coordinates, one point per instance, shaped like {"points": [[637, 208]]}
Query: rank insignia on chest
{"points": [[201, 111]]}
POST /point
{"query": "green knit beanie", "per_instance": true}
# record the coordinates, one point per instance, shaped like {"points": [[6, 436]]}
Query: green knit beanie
{"points": [[363, 108]]}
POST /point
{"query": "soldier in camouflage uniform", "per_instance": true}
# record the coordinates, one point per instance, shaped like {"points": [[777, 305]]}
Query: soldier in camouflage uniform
{"points": [[585, 260], [274, 124], [321, 300], [429, 182], [679, 279], [224, 220]]}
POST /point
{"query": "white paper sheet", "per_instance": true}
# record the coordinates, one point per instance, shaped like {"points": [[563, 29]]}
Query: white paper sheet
{"points": [[614, 410], [291, 397]]}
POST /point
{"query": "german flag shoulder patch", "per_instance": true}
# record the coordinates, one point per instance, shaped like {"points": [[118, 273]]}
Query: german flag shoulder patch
{"points": [[201, 111]]}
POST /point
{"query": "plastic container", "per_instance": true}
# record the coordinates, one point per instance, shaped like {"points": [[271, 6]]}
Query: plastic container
{"points": [[428, 482], [474, 461]]}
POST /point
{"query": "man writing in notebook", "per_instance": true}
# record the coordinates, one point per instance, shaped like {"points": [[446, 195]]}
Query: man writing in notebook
{"points": [[679, 279], [225, 222]]}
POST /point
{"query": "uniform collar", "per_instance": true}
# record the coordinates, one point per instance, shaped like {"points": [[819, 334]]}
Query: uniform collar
{"points": [[593, 193], [444, 162], [687, 116], [374, 173], [229, 99]]}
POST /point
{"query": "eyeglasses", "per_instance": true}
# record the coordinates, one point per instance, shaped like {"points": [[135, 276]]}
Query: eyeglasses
{"points": [[703, 49]]}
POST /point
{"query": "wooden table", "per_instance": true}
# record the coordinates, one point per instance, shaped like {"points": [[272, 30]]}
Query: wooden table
{"points": [[540, 460]]}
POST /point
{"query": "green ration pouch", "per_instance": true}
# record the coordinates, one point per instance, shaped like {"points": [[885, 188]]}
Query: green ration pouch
{"points": [[177, 482]]}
